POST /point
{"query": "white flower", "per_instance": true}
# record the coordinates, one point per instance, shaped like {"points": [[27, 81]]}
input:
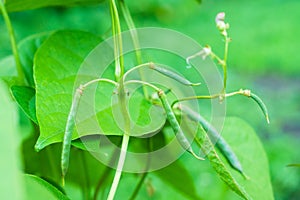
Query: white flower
{"points": [[221, 25]]}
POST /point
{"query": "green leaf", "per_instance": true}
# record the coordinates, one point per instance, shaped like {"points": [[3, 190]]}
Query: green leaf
{"points": [[56, 64], [8, 71], [38, 188], [177, 176], [27, 49], [25, 97], [11, 184], [56, 68], [19, 5], [248, 148], [218, 165], [220, 168], [89, 143], [46, 164]]}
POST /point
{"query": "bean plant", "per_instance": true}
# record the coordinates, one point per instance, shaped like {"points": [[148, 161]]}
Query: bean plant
{"points": [[47, 86]]}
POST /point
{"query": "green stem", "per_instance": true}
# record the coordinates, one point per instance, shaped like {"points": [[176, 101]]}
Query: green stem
{"points": [[13, 43], [134, 36], [119, 169], [126, 136], [119, 72], [132, 29], [137, 67], [117, 37], [125, 140], [144, 175], [138, 187], [86, 193], [225, 63], [105, 174], [143, 83], [224, 67], [220, 96], [195, 97]]}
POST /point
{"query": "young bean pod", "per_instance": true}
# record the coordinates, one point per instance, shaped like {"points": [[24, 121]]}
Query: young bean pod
{"points": [[221, 144], [173, 75], [261, 104], [183, 141], [65, 155]]}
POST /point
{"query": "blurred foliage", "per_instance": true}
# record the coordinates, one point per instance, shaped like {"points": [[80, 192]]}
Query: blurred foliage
{"points": [[263, 56]]}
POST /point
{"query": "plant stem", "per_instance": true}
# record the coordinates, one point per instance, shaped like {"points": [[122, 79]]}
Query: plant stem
{"points": [[137, 67], [134, 36], [220, 96], [125, 140], [119, 169], [132, 29], [119, 72], [13, 43], [144, 175], [225, 62], [138, 187], [86, 190], [143, 83], [105, 174], [118, 49]]}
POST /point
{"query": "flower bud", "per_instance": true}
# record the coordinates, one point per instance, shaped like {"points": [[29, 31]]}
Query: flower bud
{"points": [[220, 23]]}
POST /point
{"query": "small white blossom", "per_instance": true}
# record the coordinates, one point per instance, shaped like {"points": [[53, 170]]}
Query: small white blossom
{"points": [[220, 23], [220, 17]]}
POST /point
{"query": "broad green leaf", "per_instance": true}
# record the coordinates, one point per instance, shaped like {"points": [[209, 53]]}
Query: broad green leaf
{"points": [[56, 68], [8, 71], [208, 149], [56, 64], [221, 169], [88, 143], [84, 169], [27, 49], [38, 188], [11, 184], [177, 176], [25, 97], [251, 154], [19, 5], [247, 146]]}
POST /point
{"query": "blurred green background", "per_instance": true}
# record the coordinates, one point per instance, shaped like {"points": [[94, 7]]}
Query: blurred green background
{"points": [[263, 57]]}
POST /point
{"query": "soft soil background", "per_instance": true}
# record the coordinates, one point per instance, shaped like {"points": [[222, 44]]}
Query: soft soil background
{"points": [[263, 57]]}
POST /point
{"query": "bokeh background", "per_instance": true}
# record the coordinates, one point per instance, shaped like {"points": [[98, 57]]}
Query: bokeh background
{"points": [[263, 56]]}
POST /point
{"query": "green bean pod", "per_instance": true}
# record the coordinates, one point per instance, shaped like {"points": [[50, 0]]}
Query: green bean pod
{"points": [[173, 75], [261, 104], [183, 141], [221, 144], [65, 155]]}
